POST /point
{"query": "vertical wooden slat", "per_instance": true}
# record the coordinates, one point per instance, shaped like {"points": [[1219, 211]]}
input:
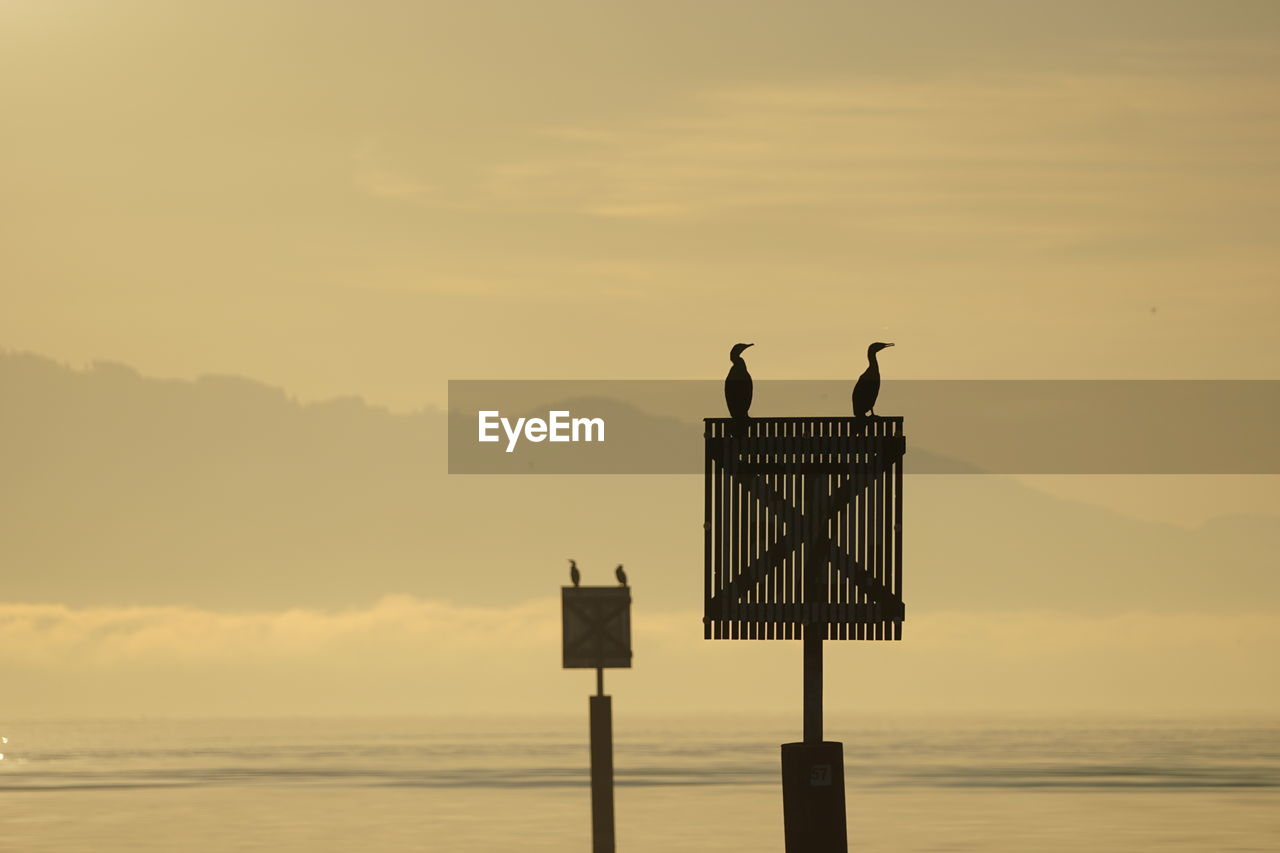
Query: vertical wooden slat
{"points": [[885, 523], [820, 511], [708, 464], [753, 591], [806, 565], [762, 541], [873, 518], [820, 529], [818, 583], [797, 504], [855, 511], [780, 484], [744, 531], [780, 445], [762, 530], [736, 562], [788, 487], [897, 532], [833, 532], [886, 534], [868, 518], [881, 544], [772, 534], [762, 534], [830, 534], [851, 457], [726, 533], [790, 570], [873, 514], [717, 554], [717, 529], [837, 539], [846, 514], [744, 499]]}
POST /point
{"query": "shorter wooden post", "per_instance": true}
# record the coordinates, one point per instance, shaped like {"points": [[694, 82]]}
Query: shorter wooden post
{"points": [[602, 774]]}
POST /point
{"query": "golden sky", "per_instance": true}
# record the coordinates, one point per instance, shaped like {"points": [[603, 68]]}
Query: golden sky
{"points": [[372, 198]]}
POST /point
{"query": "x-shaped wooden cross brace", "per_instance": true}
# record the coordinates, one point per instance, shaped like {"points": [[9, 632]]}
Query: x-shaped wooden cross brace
{"points": [[822, 549], [595, 612]]}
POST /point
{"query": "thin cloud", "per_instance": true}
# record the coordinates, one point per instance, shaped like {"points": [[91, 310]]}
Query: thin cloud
{"points": [[405, 654], [1047, 156]]}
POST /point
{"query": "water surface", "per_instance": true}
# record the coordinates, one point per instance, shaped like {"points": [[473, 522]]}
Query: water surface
{"points": [[684, 783]]}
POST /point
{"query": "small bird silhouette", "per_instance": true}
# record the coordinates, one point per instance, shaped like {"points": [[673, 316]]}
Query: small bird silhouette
{"points": [[620, 575], [737, 390], [868, 386], [574, 574]]}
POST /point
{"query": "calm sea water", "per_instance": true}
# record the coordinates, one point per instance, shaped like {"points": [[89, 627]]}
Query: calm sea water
{"points": [[684, 783]]}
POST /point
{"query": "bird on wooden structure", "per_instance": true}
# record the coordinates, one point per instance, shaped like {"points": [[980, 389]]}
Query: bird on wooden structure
{"points": [[574, 574], [868, 386], [620, 575], [737, 390]]}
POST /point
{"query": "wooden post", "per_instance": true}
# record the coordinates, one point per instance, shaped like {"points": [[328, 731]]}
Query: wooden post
{"points": [[601, 773], [812, 684], [815, 595], [813, 815], [597, 635]]}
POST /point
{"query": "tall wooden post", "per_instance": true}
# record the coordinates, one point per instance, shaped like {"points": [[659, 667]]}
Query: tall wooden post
{"points": [[597, 634], [811, 632], [812, 683]]}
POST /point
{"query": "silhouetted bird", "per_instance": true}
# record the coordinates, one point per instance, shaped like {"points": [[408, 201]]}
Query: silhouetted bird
{"points": [[737, 391], [574, 574], [868, 386], [620, 575]]}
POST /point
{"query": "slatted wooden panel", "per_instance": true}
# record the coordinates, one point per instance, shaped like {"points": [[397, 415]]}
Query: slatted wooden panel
{"points": [[804, 526]]}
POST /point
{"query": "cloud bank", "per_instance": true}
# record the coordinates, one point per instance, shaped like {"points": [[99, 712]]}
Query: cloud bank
{"points": [[411, 655]]}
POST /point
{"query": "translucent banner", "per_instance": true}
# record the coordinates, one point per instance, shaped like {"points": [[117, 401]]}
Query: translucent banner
{"points": [[951, 426]]}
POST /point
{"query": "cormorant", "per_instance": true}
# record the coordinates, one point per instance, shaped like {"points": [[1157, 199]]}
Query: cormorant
{"points": [[737, 390], [574, 574], [620, 575], [868, 387]]}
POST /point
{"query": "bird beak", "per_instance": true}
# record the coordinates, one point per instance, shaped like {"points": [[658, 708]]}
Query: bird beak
{"points": [[888, 345], [750, 345]]}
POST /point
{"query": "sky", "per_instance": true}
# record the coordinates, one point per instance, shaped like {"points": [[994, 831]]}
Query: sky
{"points": [[373, 198]]}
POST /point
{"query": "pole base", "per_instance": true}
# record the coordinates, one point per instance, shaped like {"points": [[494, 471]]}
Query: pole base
{"points": [[813, 797]]}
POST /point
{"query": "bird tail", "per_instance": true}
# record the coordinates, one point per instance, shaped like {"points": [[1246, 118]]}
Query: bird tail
{"points": [[739, 425]]}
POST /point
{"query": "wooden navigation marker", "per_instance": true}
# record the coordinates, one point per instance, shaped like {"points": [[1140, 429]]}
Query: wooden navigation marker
{"points": [[803, 527], [596, 622], [597, 626]]}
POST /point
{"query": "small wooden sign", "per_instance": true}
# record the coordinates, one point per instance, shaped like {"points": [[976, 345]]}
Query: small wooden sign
{"points": [[597, 626]]}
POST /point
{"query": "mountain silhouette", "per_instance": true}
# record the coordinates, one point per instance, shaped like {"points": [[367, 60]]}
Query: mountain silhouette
{"points": [[226, 493]]}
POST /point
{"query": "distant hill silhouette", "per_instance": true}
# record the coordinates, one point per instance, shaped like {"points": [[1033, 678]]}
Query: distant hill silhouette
{"points": [[226, 493]]}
